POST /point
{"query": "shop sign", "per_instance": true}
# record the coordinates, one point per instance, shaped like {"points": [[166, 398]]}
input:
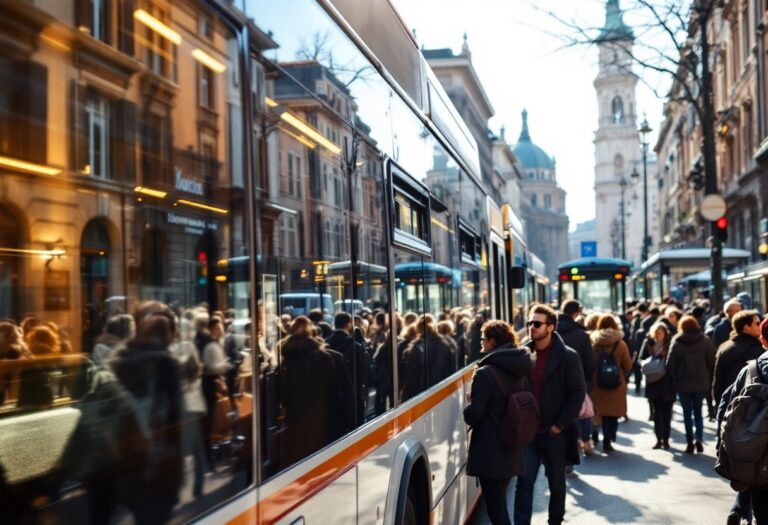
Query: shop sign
{"points": [[56, 290], [191, 225], [187, 185]]}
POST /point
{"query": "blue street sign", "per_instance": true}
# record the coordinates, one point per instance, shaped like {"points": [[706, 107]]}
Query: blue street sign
{"points": [[588, 248]]}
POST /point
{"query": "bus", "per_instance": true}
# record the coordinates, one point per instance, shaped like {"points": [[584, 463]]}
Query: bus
{"points": [[599, 283], [240, 163], [681, 273]]}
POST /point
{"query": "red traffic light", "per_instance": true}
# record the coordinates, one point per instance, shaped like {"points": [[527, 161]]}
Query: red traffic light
{"points": [[721, 223]]}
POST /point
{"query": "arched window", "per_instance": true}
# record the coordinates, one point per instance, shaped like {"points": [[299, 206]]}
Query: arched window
{"points": [[533, 200], [617, 110], [547, 201]]}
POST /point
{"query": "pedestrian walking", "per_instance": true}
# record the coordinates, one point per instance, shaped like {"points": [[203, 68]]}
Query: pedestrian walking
{"points": [[557, 382], [732, 356], [609, 389], [751, 500], [690, 363], [488, 458], [659, 391], [576, 337], [722, 330]]}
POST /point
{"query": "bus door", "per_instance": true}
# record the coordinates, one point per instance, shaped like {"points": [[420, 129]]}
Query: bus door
{"points": [[499, 291]]}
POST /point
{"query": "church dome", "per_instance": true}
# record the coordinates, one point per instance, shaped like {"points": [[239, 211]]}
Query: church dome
{"points": [[529, 153]]}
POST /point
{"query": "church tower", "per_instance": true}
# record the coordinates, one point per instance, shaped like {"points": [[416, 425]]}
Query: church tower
{"points": [[617, 143]]}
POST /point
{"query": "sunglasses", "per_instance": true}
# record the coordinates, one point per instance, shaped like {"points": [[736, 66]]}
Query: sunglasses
{"points": [[536, 324]]}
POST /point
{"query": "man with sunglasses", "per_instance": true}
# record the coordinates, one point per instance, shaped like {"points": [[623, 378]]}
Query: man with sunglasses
{"points": [[557, 383]]}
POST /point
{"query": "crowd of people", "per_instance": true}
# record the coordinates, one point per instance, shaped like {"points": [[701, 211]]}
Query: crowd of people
{"points": [[579, 367], [149, 393]]}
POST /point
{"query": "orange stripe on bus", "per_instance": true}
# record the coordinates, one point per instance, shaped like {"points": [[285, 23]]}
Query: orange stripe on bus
{"points": [[274, 507]]}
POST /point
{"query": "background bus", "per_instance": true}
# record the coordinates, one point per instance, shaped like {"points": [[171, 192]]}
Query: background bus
{"points": [[599, 283]]}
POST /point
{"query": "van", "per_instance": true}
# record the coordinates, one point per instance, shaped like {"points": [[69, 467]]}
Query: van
{"points": [[301, 303]]}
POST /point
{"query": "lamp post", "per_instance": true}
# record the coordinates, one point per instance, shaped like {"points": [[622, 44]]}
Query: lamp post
{"points": [[623, 186], [645, 130]]}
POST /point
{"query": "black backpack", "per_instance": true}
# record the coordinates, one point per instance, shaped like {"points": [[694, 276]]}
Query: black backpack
{"points": [[520, 422], [608, 373], [742, 455]]}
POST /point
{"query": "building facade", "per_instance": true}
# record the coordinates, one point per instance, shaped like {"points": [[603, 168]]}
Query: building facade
{"points": [[543, 203], [739, 95]]}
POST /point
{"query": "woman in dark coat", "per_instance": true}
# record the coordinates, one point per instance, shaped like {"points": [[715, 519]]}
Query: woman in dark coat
{"points": [[488, 458], [690, 363], [660, 393], [428, 359], [308, 373]]}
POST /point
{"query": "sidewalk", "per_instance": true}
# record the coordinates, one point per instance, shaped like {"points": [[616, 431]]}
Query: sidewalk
{"points": [[637, 484]]}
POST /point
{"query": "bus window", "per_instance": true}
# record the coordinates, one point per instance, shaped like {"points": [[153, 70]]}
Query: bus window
{"points": [[131, 350]]}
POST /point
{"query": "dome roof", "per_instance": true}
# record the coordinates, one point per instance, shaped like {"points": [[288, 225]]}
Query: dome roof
{"points": [[529, 153]]}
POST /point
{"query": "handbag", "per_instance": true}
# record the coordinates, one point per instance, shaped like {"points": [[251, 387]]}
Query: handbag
{"points": [[653, 368], [587, 408]]}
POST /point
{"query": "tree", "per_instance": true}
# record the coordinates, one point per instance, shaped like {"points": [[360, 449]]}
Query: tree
{"points": [[318, 48], [672, 41]]}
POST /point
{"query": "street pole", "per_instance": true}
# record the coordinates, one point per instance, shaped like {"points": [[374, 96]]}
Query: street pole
{"points": [[623, 185], [704, 10], [645, 199]]}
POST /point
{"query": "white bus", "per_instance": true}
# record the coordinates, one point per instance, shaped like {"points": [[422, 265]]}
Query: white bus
{"points": [[148, 150]]}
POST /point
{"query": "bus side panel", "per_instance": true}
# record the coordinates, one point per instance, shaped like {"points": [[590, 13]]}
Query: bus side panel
{"points": [[378, 476], [336, 503], [453, 506]]}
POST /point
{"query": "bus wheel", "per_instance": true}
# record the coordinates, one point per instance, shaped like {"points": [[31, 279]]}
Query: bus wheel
{"points": [[410, 516]]}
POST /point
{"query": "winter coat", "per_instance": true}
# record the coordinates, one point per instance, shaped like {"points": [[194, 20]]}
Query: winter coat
{"points": [[151, 375], [663, 389], [487, 457], [731, 358], [358, 364], [722, 332], [576, 337], [564, 389], [611, 401], [690, 362], [428, 360], [310, 385]]}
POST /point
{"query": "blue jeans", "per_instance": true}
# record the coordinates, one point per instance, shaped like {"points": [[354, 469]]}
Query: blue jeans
{"points": [[691, 404], [550, 450]]}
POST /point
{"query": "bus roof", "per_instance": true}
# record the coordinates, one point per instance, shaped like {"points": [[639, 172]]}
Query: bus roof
{"points": [[695, 257], [594, 261]]}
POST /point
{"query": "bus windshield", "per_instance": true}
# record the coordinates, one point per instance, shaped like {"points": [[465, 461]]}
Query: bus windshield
{"points": [[597, 294]]}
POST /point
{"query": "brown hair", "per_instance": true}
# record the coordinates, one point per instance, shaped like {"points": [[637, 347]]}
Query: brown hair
{"points": [[500, 332], [688, 322], [607, 321], [743, 319], [302, 326], [545, 310], [590, 322], [43, 340]]}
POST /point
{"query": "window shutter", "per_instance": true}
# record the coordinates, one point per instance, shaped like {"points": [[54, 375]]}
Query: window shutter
{"points": [[32, 104], [78, 141], [126, 26], [123, 141]]}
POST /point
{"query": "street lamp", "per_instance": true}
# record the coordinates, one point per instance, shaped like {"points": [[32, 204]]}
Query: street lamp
{"points": [[623, 185], [645, 130]]}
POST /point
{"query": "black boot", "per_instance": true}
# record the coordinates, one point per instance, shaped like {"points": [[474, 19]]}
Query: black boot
{"points": [[595, 437], [689, 448], [699, 447], [607, 445]]}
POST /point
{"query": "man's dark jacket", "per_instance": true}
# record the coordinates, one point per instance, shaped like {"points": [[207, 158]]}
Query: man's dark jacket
{"points": [[576, 337], [731, 358], [722, 333], [562, 394], [358, 364], [488, 457]]}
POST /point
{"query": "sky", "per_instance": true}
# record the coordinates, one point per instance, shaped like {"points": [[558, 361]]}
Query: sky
{"points": [[523, 64]]}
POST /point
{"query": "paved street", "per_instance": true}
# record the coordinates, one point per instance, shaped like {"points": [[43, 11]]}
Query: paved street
{"points": [[636, 484]]}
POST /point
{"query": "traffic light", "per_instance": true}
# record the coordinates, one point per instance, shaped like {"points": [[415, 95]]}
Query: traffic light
{"points": [[202, 258], [721, 229]]}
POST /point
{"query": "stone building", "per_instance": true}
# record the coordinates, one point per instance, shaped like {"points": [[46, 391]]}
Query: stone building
{"points": [[618, 153], [543, 203]]}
